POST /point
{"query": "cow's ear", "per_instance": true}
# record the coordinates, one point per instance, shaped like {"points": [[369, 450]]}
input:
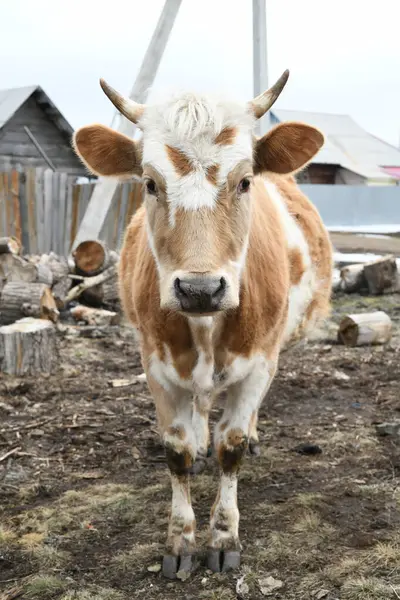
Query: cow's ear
{"points": [[106, 152], [287, 148]]}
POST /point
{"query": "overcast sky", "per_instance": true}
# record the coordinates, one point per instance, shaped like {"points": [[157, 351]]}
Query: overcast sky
{"points": [[344, 55]]}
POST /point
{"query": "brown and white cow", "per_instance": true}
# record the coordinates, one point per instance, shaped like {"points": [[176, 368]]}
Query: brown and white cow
{"points": [[225, 262]]}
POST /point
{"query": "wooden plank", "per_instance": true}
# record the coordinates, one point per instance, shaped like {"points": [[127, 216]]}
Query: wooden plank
{"points": [[75, 208], [3, 231], [39, 208], [68, 215], [9, 229], [23, 209], [48, 209], [30, 200], [116, 209], [61, 212], [121, 214], [55, 207], [15, 198]]}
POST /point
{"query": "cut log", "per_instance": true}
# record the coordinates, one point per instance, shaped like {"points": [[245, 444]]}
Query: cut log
{"points": [[28, 347], [16, 294], [91, 258], [352, 278], [10, 245], [104, 294], [90, 282], [365, 329], [58, 265], [44, 275], [60, 291], [381, 275], [15, 268], [94, 316]]}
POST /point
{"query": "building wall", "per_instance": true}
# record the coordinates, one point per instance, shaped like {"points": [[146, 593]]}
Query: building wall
{"points": [[344, 176], [17, 149]]}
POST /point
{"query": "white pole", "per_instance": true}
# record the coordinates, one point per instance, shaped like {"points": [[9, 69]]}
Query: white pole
{"points": [[260, 59], [104, 190]]}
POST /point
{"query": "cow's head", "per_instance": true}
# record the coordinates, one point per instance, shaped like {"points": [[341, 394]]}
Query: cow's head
{"points": [[197, 159]]}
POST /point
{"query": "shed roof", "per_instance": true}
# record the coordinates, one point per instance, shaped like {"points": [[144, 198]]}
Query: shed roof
{"points": [[12, 99], [346, 143]]}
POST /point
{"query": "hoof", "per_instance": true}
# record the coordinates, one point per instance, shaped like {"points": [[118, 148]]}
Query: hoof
{"points": [[221, 561], [254, 448], [177, 567]]}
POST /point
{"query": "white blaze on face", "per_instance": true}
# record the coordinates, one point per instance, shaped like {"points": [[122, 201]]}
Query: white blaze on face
{"points": [[191, 124]]}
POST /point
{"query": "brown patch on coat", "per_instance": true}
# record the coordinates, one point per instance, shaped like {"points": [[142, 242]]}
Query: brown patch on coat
{"points": [[177, 431], [180, 161], [212, 174], [226, 137], [319, 245], [223, 425], [189, 528], [296, 266]]}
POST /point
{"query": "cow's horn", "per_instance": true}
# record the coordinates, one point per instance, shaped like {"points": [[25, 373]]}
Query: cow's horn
{"points": [[264, 101], [130, 109]]}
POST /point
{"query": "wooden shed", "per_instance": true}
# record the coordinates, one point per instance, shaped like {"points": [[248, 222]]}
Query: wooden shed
{"points": [[34, 133]]}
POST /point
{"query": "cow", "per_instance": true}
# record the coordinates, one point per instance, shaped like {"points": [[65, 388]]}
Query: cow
{"points": [[224, 264]]}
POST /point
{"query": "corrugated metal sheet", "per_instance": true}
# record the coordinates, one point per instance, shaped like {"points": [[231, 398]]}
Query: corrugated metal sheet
{"points": [[347, 144]]}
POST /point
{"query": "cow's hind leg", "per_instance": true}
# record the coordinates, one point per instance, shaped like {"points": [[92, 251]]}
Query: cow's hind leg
{"points": [[174, 412], [231, 442]]}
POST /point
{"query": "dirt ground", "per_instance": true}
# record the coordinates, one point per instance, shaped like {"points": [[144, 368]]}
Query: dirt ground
{"points": [[84, 492]]}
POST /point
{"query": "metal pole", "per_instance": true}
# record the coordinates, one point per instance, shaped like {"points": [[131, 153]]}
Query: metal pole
{"points": [[104, 190], [260, 58]]}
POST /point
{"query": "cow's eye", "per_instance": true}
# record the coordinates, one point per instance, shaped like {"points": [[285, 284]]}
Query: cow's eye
{"points": [[151, 187], [244, 186]]}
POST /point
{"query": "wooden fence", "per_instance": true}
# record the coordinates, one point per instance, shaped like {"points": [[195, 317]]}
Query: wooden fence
{"points": [[44, 209]]}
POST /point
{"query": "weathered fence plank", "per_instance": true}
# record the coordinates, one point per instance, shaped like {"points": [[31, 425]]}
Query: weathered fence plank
{"points": [[48, 201], [23, 209], [39, 205], [15, 200]]}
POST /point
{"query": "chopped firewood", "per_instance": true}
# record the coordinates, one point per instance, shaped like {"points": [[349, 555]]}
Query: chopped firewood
{"points": [[90, 282], [28, 347], [116, 383], [365, 329], [60, 291], [381, 275], [352, 278], [9, 245], [16, 294], [106, 293], [94, 316], [91, 257]]}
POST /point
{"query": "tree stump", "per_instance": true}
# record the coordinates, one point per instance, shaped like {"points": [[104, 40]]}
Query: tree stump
{"points": [[365, 329], [381, 275], [91, 258], [10, 245], [15, 294], [352, 278], [28, 347]]}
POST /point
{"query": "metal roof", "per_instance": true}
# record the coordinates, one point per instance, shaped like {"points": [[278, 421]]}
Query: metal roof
{"points": [[346, 143], [12, 99]]}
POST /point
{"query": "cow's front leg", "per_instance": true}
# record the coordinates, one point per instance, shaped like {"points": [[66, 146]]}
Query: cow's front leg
{"points": [[174, 412], [201, 412], [231, 441]]}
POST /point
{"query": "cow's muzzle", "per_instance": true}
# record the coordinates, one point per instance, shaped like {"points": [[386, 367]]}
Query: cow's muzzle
{"points": [[200, 294]]}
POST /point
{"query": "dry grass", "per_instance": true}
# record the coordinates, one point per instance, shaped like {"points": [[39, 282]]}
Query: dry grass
{"points": [[7, 536], [368, 589], [94, 593], [44, 587]]}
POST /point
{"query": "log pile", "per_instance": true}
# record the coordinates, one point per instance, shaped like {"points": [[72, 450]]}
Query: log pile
{"points": [[35, 291], [380, 276]]}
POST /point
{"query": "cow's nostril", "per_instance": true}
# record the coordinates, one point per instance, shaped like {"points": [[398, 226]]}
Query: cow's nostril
{"points": [[177, 286]]}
